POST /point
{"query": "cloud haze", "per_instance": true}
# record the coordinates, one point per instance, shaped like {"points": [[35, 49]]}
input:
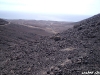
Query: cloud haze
{"points": [[51, 7]]}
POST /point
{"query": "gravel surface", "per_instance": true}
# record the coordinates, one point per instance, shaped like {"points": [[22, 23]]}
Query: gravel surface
{"points": [[72, 52]]}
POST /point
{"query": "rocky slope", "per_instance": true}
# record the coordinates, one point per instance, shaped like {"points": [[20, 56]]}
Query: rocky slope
{"points": [[84, 38], [72, 52], [3, 22], [23, 52]]}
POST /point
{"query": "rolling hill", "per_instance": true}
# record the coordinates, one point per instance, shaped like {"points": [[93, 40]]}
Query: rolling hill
{"points": [[72, 52]]}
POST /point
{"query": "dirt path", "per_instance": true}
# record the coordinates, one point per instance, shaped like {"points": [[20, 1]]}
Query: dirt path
{"points": [[47, 29]]}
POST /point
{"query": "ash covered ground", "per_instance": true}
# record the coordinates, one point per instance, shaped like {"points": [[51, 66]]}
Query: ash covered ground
{"points": [[71, 52]]}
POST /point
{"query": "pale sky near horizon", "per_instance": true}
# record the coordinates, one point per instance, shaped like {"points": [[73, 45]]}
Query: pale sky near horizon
{"points": [[76, 7]]}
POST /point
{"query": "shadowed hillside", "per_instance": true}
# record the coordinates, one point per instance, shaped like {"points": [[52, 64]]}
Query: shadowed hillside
{"points": [[26, 50], [84, 55], [52, 27], [3, 22], [71, 52]]}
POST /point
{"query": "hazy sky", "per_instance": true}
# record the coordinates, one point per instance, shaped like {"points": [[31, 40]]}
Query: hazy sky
{"points": [[74, 7]]}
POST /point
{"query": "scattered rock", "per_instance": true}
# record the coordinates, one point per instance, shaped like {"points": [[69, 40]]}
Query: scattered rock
{"points": [[84, 38]]}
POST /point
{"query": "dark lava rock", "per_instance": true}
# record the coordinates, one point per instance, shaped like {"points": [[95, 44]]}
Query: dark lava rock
{"points": [[56, 38], [2, 22], [85, 37], [32, 55]]}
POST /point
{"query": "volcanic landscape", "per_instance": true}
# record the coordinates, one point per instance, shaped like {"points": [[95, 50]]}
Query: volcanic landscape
{"points": [[38, 47]]}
